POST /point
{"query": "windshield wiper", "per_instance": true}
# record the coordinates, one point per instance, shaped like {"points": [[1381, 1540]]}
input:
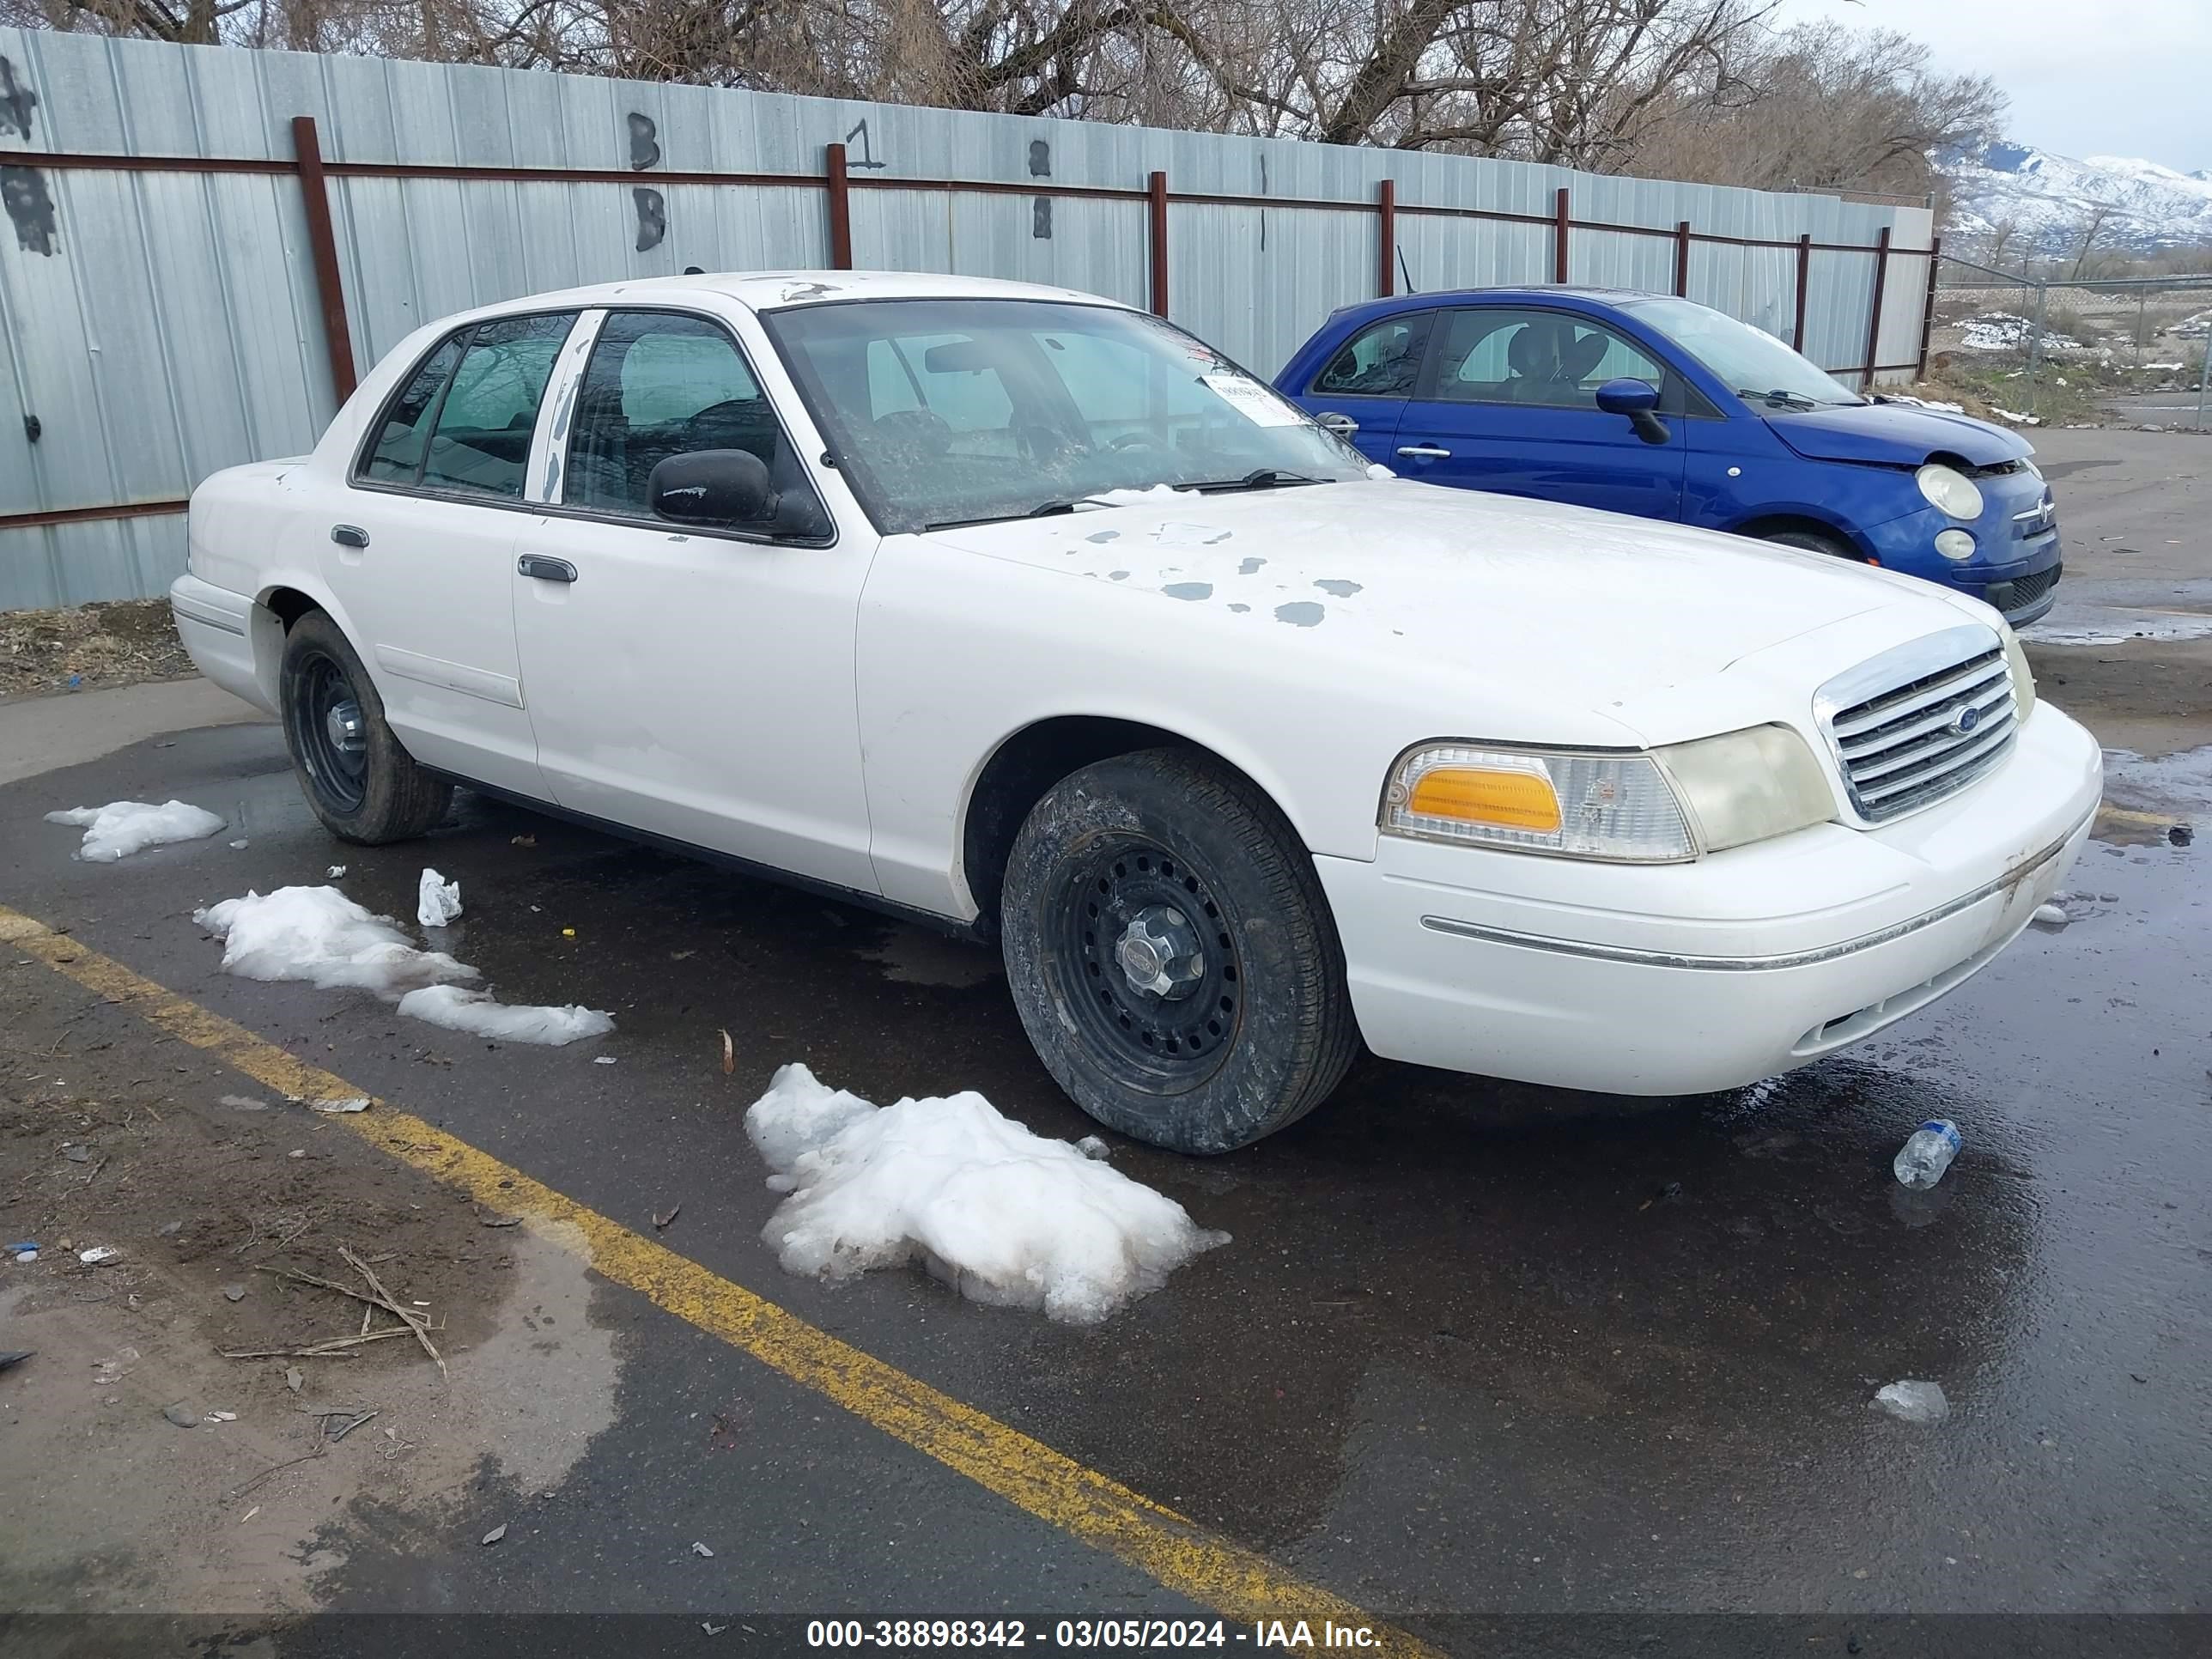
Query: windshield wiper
{"points": [[1041, 510], [1263, 477], [1786, 399]]}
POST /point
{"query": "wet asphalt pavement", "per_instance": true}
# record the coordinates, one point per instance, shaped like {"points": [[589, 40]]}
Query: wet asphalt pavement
{"points": [[1473, 1350]]}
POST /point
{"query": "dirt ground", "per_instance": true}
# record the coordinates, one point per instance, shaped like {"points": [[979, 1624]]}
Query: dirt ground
{"points": [[146, 1469], [89, 647]]}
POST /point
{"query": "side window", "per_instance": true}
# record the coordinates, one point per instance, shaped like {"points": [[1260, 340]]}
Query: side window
{"points": [[396, 456], [481, 443], [661, 383], [1495, 356], [1381, 361]]}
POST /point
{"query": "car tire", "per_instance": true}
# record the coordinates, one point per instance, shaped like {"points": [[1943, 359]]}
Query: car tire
{"points": [[1813, 541], [357, 777], [1247, 1025]]}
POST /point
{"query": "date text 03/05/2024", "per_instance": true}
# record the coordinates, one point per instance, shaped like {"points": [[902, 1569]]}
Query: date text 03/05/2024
{"points": [[1077, 1633]]}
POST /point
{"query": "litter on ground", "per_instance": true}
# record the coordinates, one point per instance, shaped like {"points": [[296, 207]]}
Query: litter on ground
{"points": [[320, 935], [437, 900], [1008, 1218], [123, 827]]}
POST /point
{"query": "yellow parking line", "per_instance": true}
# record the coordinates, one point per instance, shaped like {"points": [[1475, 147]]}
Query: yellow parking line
{"points": [[1239, 1583]]}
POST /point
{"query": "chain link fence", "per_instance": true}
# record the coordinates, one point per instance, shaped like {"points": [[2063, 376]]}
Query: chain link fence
{"points": [[2045, 351]]}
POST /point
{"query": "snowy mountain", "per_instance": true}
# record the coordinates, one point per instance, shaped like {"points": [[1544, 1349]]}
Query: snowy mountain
{"points": [[2048, 200]]}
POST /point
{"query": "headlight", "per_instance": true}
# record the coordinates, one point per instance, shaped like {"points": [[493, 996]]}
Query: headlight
{"points": [[1748, 785], [1949, 490], [2023, 677], [1662, 807], [1589, 806]]}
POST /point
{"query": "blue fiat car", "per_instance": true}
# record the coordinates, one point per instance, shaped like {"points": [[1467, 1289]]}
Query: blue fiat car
{"points": [[1656, 406]]}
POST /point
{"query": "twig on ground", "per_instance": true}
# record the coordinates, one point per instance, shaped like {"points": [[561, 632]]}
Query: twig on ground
{"points": [[322, 1445], [415, 1321]]}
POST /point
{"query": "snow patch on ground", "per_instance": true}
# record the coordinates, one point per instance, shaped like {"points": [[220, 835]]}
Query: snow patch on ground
{"points": [[1007, 1217], [123, 827], [320, 935], [459, 1009]]}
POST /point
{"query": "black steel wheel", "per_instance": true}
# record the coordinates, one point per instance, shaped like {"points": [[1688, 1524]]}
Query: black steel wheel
{"points": [[323, 720], [1171, 954], [1159, 963], [358, 778]]}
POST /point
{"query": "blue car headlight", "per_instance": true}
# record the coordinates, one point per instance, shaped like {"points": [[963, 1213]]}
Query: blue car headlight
{"points": [[1949, 490]]}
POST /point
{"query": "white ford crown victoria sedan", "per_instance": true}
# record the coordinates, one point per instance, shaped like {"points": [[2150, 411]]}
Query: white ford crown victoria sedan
{"points": [[1026, 612]]}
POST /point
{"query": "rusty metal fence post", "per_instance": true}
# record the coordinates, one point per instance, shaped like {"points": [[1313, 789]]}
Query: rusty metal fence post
{"points": [[322, 243], [1804, 283], [838, 191], [1874, 320], [1156, 196], [1386, 210], [1560, 226]]}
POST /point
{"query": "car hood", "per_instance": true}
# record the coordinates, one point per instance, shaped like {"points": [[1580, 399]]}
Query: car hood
{"points": [[1895, 435], [1559, 607]]}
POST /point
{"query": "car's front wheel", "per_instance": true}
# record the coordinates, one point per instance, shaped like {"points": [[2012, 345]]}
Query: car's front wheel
{"points": [[358, 778], [1171, 953], [1814, 541]]}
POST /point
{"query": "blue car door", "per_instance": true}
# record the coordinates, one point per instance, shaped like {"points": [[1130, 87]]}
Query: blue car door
{"points": [[1361, 392], [1509, 404]]}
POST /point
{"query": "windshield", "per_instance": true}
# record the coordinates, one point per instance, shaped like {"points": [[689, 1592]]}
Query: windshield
{"points": [[959, 411], [1754, 363]]}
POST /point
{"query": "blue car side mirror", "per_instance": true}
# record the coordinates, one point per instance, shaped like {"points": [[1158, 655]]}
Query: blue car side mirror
{"points": [[1638, 400]]}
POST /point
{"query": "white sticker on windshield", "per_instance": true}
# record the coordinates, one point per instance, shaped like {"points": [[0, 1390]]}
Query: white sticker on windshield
{"points": [[1251, 399]]}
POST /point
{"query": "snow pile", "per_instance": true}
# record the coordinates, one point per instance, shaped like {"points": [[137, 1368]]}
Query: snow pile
{"points": [[1007, 1217], [458, 1009], [1155, 495], [320, 935], [1912, 1401], [123, 827], [2016, 417], [437, 900], [2004, 331]]}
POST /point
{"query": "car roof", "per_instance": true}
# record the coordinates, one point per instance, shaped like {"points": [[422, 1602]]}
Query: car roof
{"points": [[1503, 295], [773, 290]]}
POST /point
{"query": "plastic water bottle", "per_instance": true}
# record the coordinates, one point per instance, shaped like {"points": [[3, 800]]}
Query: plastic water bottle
{"points": [[1922, 1160]]}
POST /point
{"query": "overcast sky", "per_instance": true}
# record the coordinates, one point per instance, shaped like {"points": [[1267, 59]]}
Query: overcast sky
{"points": [[2086, 77]]}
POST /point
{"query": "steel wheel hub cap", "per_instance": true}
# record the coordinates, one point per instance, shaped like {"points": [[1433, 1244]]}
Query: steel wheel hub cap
{"points": [[1160, 953], [342, 723]]}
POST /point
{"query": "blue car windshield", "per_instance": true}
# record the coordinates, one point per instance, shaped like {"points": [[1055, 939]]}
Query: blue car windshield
{"points": [[1755, 365]]}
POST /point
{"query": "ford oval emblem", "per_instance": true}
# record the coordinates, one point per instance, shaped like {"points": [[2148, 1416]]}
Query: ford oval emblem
{"points": [[1966, 721]]}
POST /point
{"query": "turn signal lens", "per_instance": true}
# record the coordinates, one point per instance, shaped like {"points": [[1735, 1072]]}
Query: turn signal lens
{"points": [[1579, 804], [1512, 800]]}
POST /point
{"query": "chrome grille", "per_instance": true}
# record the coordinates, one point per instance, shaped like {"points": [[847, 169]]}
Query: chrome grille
{"points": [[1921, 722]]}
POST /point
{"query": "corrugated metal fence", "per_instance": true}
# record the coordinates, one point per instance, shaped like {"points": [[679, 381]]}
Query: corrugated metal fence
{"points": [[208, 243]]}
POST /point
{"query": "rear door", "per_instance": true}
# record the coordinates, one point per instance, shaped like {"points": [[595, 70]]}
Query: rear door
{"points": [[1361, 392], [1508, 403], [421, 553]]}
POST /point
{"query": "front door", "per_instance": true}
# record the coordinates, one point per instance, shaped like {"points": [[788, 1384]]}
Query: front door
{"points": [[1361, 390], [694, 683], [420, 564], [1509, 404]]}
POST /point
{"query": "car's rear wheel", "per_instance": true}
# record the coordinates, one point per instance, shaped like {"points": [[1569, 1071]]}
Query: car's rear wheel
{"points": [[1172, 956], [358, 778], [1813, 541]]}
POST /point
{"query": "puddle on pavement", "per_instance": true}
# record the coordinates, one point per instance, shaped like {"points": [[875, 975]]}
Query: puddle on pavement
{"points": [[915, 956]]}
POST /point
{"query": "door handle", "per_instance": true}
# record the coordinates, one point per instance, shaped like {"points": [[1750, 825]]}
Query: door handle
{"points": [[1343, 425], [545, 569], [1424, 452], [349, 535]]}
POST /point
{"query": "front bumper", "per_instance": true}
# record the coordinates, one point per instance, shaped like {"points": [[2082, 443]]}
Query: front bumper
{"points": [[2016, 567], [1678, 979]]}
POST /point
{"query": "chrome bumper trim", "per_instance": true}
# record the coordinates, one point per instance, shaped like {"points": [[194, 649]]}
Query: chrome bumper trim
{"points": [[2017, 874]]}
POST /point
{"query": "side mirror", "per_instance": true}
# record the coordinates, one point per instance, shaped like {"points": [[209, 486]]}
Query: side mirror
{"points": [[712, 487], [1639, 401]]}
